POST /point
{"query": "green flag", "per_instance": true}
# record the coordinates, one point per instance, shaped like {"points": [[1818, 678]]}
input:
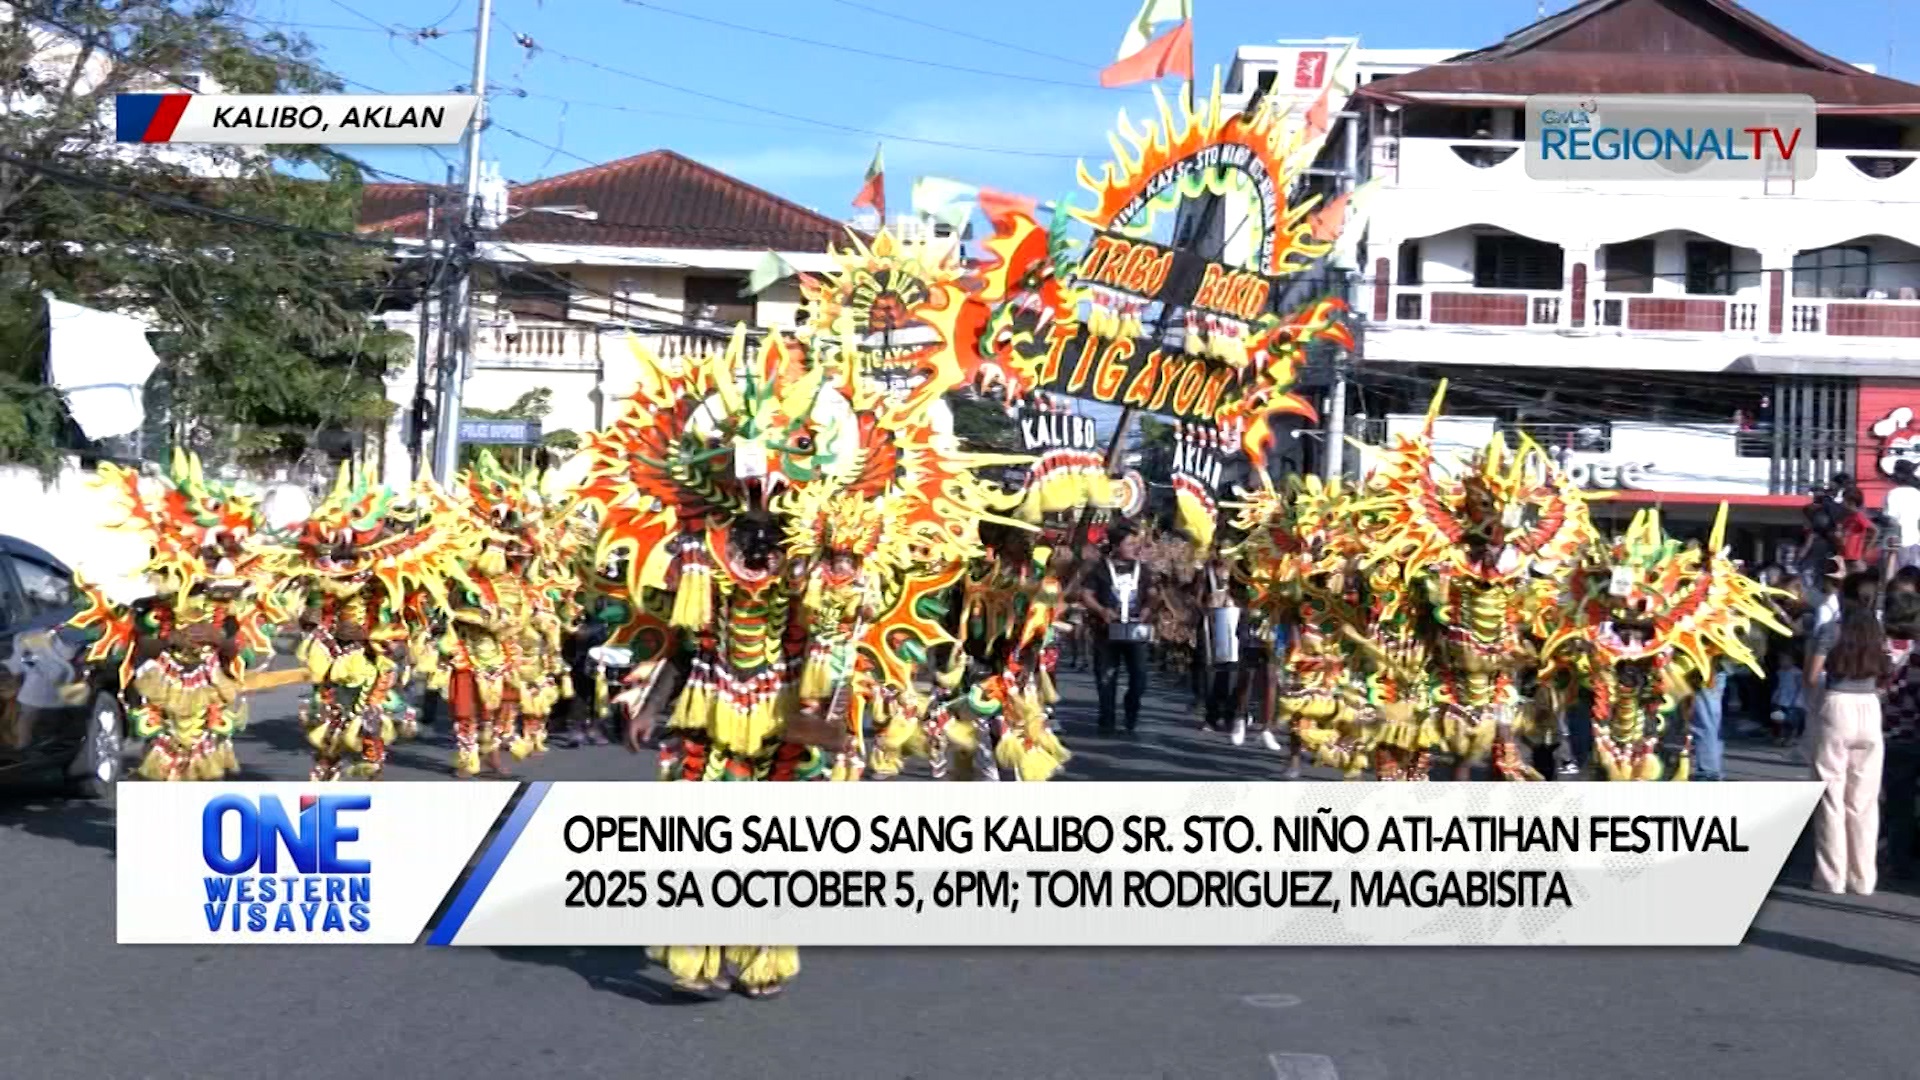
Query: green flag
{"points": [[770, 269]]}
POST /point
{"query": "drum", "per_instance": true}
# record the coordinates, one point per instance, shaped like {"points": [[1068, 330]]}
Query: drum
{"points": [[1223, 633]]}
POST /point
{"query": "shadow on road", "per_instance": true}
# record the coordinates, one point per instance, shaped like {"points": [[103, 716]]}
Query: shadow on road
{"points": [[1826, 950], [78, 821], [626, 972], [1857, 906]]}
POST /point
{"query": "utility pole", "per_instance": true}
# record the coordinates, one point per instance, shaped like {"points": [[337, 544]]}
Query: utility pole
{"points": [[453, 375], [430, 294], [1336, 437]]}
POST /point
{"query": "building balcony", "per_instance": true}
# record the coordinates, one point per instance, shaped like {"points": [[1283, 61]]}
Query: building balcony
{"points": [[1431, 185], [1569, 327], [1500, 165], [526, 346]]}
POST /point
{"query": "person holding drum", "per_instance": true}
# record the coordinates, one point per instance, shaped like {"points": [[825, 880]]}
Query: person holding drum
{"points": [[1117, 596]]}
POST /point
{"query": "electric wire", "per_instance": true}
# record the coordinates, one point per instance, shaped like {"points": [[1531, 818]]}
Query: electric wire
{"points": [[911, 21], [918, 61]]}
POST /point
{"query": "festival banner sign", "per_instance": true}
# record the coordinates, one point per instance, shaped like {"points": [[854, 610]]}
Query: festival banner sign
{"points": [[1118, 864], [1168, 330]]}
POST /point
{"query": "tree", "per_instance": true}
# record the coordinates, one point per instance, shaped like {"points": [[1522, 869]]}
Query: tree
{"points": [[981, 424], [533, 405], [263, 333]]}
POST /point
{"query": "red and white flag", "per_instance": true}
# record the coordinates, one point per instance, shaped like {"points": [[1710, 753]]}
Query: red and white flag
{"points": [[873, 193], [1145, 58]]}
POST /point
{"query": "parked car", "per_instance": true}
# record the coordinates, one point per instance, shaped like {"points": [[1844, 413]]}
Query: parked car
{"points": [[60, 719]]}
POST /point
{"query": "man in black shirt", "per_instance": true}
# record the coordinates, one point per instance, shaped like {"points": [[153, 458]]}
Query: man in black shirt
{"points": [[1824, 515], [1117, 595]]}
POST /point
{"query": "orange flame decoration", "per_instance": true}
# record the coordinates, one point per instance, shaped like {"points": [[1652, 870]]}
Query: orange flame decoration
{"points": [[1265, 147], [200, 533], [848, 469]]}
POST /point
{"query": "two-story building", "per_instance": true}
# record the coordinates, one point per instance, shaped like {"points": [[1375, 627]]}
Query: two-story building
{"points": [[1677, 342], [655, 246]]}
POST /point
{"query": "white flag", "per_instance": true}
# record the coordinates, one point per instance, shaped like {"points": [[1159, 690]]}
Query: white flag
{"points": [[950, 202], [100, 362]]}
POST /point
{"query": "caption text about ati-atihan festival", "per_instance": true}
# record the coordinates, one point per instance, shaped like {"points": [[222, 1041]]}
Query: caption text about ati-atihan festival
{"points": [[629, 861]]}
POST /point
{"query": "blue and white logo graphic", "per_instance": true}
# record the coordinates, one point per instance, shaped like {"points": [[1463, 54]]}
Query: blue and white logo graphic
{"points": [[320, 885], [293, 863], [1712, 137]]}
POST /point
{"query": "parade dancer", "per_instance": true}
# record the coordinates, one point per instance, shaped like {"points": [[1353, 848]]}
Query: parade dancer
{"points": [[373, 565], [1641, 626], [803, 523], [183, 652]]}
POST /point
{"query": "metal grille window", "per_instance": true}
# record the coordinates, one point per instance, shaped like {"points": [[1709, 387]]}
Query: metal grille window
{"points": [[1517, 262], [1812, 432]]}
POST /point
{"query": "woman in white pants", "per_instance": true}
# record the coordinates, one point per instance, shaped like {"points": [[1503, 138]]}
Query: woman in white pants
{"points": [[1849, 661]]}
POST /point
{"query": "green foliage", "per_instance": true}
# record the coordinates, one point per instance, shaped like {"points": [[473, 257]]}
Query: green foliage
{"points": [[535, 404], [983, 425], [1155, 434], [264, 335]]}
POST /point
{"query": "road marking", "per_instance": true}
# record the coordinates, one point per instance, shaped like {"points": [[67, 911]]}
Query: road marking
{"points": [[1303, 1067], [1270, 1001], [273, 680]]}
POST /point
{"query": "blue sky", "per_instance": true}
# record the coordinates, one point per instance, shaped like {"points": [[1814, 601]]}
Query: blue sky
{"points": [[611, 78]]}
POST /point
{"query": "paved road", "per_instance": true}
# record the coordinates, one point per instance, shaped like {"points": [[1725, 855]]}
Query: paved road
{"points": [[1824, 987]]}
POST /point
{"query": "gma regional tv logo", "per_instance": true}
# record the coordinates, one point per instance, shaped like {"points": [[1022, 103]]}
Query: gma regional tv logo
{"points": [[1670, 137], [270, 871]]}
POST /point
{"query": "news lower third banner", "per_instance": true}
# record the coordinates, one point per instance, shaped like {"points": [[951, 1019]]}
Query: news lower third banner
{"points": [[1108, 864], [292, 119]]}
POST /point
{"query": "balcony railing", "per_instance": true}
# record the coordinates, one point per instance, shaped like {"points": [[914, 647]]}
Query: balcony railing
{"points": [[1855, 318], [1467, 306], [1495, 164], [575, 346], [1744, 316]]}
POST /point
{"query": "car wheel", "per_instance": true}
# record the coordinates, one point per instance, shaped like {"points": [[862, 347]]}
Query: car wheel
{"points": [[99, 765]]}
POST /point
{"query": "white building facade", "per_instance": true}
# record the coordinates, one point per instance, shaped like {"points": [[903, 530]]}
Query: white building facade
{"points": [[1678, 343], [654, 250]]}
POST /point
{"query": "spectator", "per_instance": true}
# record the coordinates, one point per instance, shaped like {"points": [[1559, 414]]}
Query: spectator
{"points": [[1903, 511], [1709, 740], [1789, 714], [1849, 661], [1823, 607], [1250, 695], [1900, 779], [1820, 544], [1221, 636], [1117, 596], [1857, 532], [1277, 678]]}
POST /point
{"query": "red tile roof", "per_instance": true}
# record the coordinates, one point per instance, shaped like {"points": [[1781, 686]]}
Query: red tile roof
{"points": [[385, 202], [657, 199], [1653, 47]]}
